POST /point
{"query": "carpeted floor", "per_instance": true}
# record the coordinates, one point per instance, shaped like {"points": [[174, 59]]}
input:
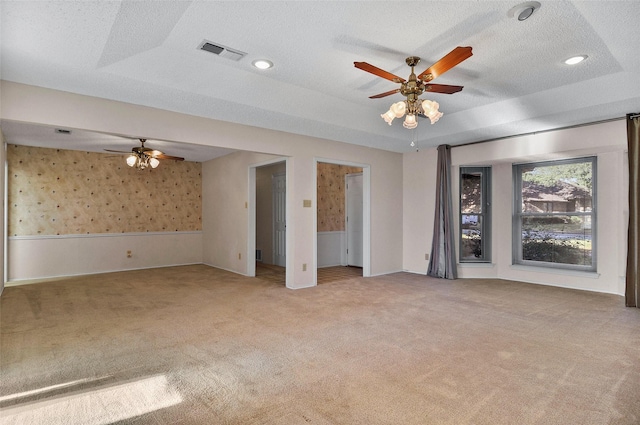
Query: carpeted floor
{"points": [[276, 274], [198, 345]]}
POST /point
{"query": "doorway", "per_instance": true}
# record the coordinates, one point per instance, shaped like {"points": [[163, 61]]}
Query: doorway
{"points": [[267, 221], [338, 245], [279, 217]]}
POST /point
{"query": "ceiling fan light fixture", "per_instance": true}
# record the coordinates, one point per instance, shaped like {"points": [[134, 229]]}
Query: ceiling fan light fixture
{"points": [[426, 107], [141, 157], [417, 85], [141, 161]]}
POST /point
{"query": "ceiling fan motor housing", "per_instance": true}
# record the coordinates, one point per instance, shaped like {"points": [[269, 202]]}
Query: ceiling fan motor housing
{"points": [[412, 88]]}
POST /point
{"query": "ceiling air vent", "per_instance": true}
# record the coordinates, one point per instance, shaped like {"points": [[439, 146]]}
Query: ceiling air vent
{"points": [[221, 51]]}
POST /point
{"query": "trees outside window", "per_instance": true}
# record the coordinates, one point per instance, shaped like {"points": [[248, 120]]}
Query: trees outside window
{"points": [[475, 215], [555, 214]]}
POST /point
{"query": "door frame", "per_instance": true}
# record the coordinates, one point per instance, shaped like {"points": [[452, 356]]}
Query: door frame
{"points": [[251, 217], [366, 214]]}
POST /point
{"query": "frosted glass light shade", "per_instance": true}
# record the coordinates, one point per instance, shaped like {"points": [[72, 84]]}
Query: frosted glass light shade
{"points": [[435, 116], [430, 109], [388, 116], [410, 122], [154, 162], [131, 160], [398, 108]]}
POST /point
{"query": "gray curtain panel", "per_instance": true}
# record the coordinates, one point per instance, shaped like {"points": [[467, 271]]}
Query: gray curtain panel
{"points": [[443, 256], [632, 293]]}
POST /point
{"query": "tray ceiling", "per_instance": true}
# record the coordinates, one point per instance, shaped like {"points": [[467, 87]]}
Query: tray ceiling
{"points": [[146, 53]]}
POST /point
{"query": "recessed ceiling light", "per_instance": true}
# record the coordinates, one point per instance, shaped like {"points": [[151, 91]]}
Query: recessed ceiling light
{"points": [[262, 64], [575, 60], [524, 10]]}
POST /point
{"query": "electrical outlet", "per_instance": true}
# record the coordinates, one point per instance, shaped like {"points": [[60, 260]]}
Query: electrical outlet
{"points": [[304, 267], [129, 255], [239, 256], [426, 257]]}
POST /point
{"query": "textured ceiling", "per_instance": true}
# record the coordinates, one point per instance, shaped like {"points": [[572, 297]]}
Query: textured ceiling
{"points": [[146, 52]]}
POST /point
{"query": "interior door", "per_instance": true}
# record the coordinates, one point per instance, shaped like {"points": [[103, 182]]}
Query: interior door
{"points": [[354, 204], [279, 191]]}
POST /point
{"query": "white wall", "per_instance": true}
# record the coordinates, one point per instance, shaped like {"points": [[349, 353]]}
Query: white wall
{"points": [[55, 108], [3, 160], [606, 140], [332, 248], [37, 257], [399, 237], [419, 192], [225, 210]]}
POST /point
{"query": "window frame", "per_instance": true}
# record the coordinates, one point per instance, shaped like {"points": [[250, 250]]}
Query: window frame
{"points": [[518, 214], [485, 214]]}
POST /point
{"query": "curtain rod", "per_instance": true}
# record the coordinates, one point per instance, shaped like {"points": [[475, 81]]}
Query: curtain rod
{"points": [[546, 131], [634, 115]]}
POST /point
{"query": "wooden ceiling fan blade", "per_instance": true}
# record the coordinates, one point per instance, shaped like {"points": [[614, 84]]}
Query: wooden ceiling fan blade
{"points": [[163, 156], [379, 72], [385, 94], [111, 150], [442, 88], [152, 152], [450, 60]]}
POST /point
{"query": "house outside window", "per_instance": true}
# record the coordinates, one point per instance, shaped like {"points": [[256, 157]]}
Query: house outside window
{"points": [[554, 214], [475, 215]]}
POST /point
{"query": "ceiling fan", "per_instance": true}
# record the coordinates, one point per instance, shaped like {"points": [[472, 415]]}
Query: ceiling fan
{"points": [[416, 85], [142, 157]]}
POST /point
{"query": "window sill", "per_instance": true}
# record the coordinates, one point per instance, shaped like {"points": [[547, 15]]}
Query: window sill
{"points": [[549, 270], [476, 265]]}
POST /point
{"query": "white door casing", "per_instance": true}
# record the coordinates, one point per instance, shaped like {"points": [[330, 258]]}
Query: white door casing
{"points": [[354, 219]]}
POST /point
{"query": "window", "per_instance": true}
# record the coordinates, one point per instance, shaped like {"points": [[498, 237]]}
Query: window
{"points": [[475, 214], [555, 214]]}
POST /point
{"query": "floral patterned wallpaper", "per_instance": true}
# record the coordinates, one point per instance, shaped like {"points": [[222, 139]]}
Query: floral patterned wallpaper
{"points": [[331, 195], [60, 192]]}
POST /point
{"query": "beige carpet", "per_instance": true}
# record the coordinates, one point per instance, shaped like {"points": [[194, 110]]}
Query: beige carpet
{"points": [[197, 345], [276, 274]]}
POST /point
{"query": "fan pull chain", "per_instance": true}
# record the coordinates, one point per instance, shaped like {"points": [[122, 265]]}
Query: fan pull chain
{"points": [[414, 142]]}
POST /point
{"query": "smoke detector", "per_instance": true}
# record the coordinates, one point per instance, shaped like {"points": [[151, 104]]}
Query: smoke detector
{"points": [[220, 50]]}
